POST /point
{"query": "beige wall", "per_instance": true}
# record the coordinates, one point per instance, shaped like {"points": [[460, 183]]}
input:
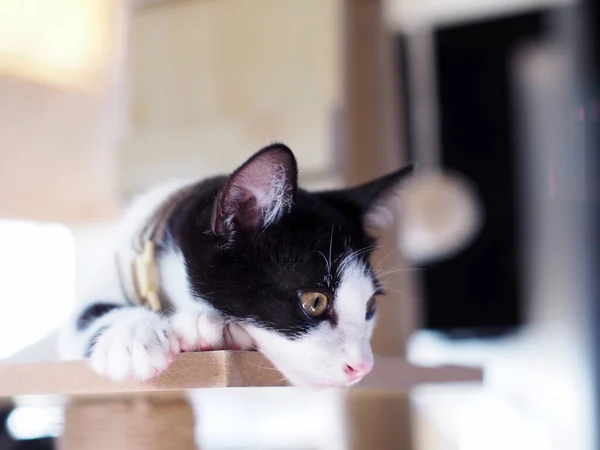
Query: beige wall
{"points": [[209, 82], [56, 154], [58, 134], [212, 81]]}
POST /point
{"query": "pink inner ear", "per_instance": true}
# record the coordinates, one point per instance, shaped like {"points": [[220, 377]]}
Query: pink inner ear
{"points": [[264, 191], [261, 190], [244, 206], [254, 180]]}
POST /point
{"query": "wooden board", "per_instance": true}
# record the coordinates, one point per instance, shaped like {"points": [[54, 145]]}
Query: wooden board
{"points": [[205, 370]]}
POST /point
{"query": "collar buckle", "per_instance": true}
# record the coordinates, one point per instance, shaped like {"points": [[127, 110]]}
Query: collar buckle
{"points": [[146, 278]]}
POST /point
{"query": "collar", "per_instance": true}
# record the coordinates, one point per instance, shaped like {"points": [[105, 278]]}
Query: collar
{"points": [[144, 288]]}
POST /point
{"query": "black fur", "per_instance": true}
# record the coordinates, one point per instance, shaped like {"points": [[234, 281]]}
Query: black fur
{"points": [[256, 275], [93, 312]]}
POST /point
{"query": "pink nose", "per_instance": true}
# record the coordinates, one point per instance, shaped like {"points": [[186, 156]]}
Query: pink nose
{"points": [[356, 371]]}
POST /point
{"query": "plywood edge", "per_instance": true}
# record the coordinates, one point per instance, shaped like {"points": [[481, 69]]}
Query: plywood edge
{"points": [[216, 369], [245, 369], [188, 371]]}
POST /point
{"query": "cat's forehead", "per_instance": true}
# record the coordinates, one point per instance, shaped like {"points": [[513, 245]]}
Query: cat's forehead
{"points": [[323, 226], [309, 237], [311, 260], [316, 241]]}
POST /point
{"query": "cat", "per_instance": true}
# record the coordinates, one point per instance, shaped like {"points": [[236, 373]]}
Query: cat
{"points": [[246, 261]]}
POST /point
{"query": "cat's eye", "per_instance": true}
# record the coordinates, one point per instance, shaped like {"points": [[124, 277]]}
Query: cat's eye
{"points": [[371, 307], [313, 303]]}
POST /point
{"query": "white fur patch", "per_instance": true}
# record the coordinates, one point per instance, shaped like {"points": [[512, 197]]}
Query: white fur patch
{"points": [[137, 345], [276, 200], [354, 291], [318, 359], [199, 332]]}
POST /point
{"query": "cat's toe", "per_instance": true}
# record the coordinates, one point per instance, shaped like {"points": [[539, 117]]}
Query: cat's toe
{"points": [[199, 332], [237, 338], [138, 347]]}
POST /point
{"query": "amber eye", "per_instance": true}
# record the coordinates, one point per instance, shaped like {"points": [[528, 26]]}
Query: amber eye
{"points": [[371, 307], [313, 303]]}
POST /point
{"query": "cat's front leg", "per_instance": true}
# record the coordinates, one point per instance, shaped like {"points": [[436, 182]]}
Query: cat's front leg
{"points": [[125, 342], [208, 331]]}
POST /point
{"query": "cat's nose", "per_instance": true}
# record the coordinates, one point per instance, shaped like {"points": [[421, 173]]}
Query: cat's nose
{"points": [[356, 371]]}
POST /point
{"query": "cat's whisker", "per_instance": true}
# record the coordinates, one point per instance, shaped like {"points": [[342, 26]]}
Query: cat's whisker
{"points": [[401, 293], [400, 270], [330, 247], [265, 368], [396, 267], [326, 261], [280, 380], [353, 256], [365, 250], [385, 257], [348, 259]]}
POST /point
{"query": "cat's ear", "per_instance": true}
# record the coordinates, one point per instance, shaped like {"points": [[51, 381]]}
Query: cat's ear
{"points": [[374, 198], [258, 193]]}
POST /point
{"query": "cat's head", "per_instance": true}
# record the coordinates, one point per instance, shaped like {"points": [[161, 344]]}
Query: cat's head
{"points": [[292, 267]]}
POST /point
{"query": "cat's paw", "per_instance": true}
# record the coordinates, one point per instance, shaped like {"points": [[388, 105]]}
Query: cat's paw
{"points": [[199, 332], [139, 345], [209, 331], [237, 338]]}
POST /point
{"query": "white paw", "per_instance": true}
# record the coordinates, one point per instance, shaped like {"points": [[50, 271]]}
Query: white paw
{"points": [[138, 345], [208, 331], [199, 332], [236, 338]]}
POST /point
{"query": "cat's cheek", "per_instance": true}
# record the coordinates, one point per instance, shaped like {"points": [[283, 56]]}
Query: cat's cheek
{"points": [[311, 361], [371, 326], [285, 354]]}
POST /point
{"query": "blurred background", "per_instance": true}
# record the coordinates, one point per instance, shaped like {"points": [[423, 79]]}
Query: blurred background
{"points": [[100, 99]]}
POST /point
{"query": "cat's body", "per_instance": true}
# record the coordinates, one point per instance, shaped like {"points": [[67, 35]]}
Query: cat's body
{"points": [[246, 261]]}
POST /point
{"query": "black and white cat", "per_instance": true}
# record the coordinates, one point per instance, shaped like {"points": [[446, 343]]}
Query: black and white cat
{"points": [[246, 261]]}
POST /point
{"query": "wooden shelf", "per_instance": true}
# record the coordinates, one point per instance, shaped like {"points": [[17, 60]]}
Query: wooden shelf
{"points": [[393, 373], [216, 369]]}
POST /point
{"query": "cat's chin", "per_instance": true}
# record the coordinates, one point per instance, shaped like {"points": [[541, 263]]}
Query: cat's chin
{"points": [[308, 379]]}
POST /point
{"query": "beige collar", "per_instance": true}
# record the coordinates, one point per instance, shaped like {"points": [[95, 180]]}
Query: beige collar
{"points": [[146, 289]]}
